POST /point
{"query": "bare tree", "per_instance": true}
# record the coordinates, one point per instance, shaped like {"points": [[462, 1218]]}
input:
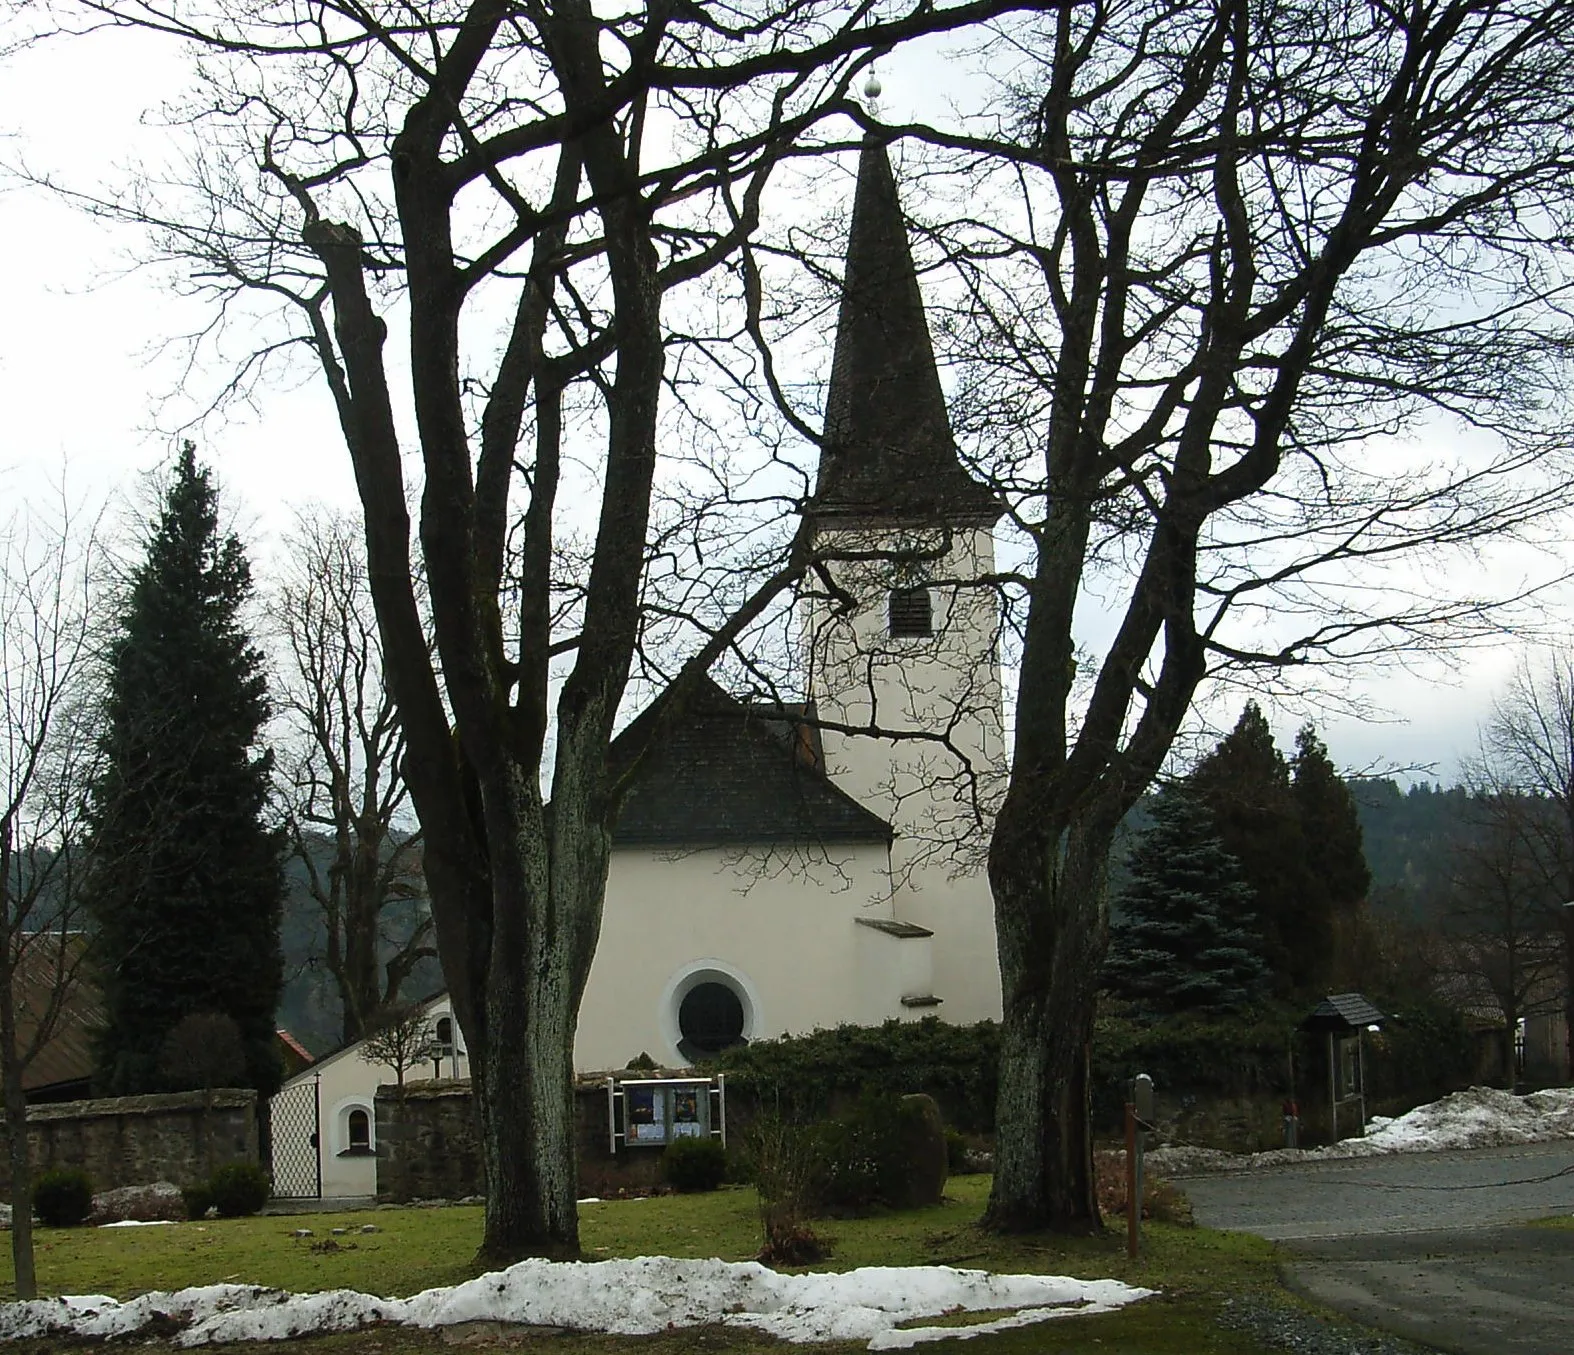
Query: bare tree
{"points": [[531, 190], [1501, 914], [47, 762], [403, 1037], [1528, 747], [350, 825], [1223, 258]]}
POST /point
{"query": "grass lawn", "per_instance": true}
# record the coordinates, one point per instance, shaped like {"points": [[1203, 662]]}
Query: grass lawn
{"points": [[418, 1248]]}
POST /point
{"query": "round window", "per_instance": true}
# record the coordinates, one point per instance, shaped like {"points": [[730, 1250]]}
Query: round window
{"points": [[710, 1019]]}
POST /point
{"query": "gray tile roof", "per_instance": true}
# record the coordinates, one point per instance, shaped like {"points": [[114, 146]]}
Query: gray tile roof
{"points": [[731, 774], [1343, 1011], [888, 454]]}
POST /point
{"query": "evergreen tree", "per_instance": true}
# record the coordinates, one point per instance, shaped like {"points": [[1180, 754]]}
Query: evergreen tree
{"points": [[1245, 783], [1184, 939], [1331, 829], [186, 884]]}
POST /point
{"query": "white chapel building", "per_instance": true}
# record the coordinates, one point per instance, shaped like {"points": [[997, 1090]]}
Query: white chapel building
{"points": [[775, 871]]}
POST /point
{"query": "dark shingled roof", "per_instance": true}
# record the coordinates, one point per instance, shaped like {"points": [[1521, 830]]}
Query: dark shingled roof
{"points": [[65, 1060], [1343, 1012], [888, 452], [730, 774]]}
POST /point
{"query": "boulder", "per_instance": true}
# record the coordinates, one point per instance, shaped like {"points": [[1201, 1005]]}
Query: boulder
{"points": [[160, 1200]]}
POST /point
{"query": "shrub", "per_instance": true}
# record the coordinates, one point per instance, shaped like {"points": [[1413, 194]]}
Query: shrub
{"points": [[1161, 1200], [198, 1199], [202, 1051], [886, 1151], [864, 1158], [239, 1188], [956, 1151], [785, 1165], [63, 1197], [807, 1076], [694, 1164]]}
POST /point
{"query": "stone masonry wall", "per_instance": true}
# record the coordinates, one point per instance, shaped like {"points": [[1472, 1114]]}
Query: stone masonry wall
{"points": [[135, 1140], [428, 1148]]}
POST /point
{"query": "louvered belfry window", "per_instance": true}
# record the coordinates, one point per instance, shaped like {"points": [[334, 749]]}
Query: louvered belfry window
{"points": [[911, 612]]}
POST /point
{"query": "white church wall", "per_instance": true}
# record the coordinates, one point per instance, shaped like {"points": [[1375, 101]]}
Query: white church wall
{"points": [[938, 796], [780, 932]]}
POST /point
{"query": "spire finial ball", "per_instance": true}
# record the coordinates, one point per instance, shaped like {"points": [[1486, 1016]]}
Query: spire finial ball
{"points": [[872, 87]]}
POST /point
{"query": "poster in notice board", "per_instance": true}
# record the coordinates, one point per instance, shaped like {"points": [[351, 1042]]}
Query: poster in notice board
{"points": [[647, 1115]]}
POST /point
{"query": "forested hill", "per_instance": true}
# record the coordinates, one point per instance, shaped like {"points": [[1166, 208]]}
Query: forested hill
{"points": [[1410, 837]]}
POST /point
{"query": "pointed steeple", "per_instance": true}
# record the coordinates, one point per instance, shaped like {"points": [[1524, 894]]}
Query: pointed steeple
{"points": [[888, 457]]}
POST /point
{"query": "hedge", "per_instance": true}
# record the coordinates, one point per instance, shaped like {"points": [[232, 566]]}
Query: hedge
{"points": [[1425, 1052]]}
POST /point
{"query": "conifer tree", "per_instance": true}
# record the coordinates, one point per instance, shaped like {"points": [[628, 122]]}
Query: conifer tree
{"points": [[1184, 940], [1245, 783], [1330, 824], [186, 885]]}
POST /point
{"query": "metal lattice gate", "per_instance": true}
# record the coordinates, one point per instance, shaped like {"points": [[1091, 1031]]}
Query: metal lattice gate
{"points": [[295, 1133]]}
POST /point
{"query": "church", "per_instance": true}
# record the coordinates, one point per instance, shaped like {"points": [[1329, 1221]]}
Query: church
{"points": [[775, 869]]}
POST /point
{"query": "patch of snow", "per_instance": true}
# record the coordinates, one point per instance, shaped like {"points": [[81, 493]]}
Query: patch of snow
{"points": [[1482, 1117], [630, 1297], [139, 1223]]}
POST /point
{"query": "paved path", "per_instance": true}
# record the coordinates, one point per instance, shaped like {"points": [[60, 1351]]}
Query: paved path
{"points": [[1426, 1245]]}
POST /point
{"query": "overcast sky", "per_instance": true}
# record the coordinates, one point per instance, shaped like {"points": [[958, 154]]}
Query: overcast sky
{"points": [[83, 367]]}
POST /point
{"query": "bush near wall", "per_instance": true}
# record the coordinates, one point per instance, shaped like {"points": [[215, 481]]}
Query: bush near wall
{"points": [[1423, 1054], [1201, 1057], [807, 1077], [1427, 1051]]}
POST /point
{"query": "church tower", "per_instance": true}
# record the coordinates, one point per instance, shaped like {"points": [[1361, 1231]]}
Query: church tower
{"points": [[905, 644]]}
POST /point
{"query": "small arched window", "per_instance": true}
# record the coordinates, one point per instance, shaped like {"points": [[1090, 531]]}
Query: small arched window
{"points": [[358, 1129], [445, 1034], [911, 613]]}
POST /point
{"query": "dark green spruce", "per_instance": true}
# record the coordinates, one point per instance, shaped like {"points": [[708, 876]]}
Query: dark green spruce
{"points": [[186, 882], [1184, 939], [1245, 782]]}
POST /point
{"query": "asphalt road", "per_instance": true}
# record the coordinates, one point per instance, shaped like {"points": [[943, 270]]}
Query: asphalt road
{"points": [[1430, 1246]]}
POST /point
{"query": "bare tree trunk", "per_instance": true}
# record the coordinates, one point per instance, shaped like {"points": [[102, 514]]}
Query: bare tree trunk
{"points": [[1568, 994], [1051, 926], [526, 1106], [21, 1163]]}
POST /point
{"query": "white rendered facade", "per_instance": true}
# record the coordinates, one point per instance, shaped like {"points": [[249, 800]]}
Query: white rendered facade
{"points": [[937, 786]]}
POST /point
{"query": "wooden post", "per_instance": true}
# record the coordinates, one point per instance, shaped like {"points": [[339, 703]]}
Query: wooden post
{"points": [[1360, 1075], [1333, 1085], [1133, 1203]]}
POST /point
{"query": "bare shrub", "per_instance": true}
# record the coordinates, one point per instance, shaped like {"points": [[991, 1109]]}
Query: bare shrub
{"points": [[789, 1175], [1162, 1200], [203, 1051]]}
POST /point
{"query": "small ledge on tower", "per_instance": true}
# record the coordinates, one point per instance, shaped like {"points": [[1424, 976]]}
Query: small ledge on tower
{"points": [[927, 1000], [906, 931]]}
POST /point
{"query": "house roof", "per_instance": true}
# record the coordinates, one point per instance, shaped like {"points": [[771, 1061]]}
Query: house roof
{"points": [[292, 1048], [1342, 1012], [888, 455], [47, 962], [726, 773]]}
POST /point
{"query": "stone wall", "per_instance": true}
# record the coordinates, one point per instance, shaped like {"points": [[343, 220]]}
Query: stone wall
{"points": [[428, 1148], [135, 1140]]}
